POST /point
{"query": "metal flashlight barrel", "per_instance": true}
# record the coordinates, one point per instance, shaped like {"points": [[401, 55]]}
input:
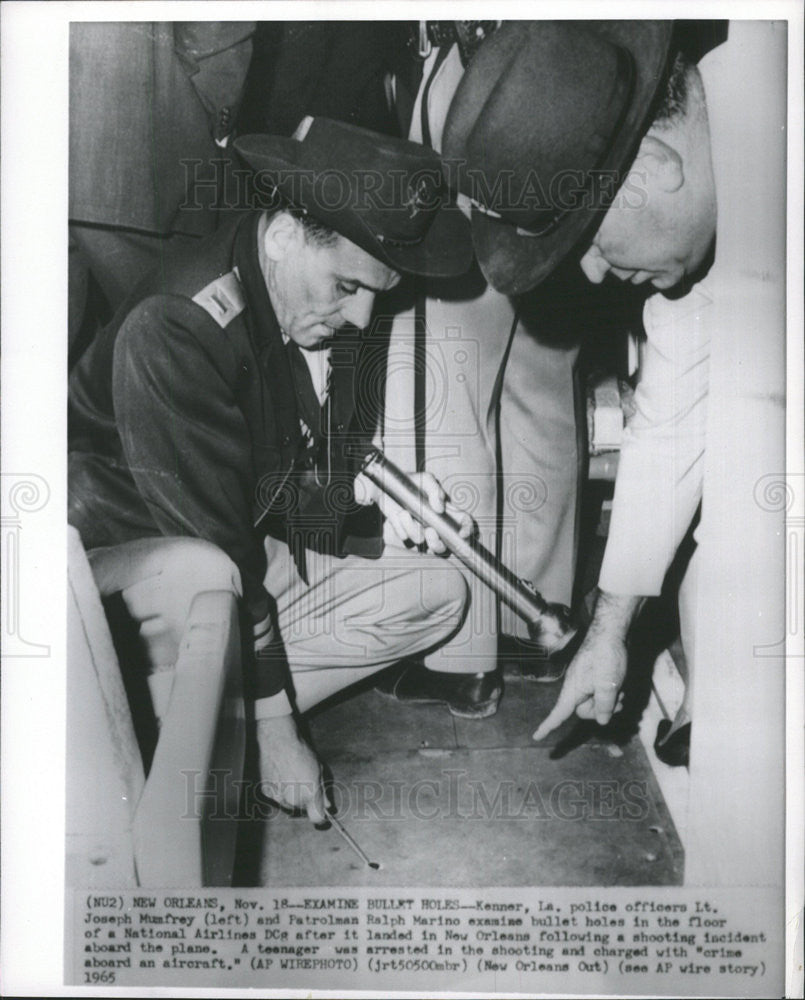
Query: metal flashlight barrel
{"points": [[549, 624]]}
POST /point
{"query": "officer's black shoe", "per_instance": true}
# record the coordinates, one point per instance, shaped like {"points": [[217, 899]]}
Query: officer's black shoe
{"points": [[468, 696], [523, 658], [673, 750]]}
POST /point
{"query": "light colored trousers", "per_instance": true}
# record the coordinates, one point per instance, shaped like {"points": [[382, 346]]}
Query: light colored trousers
{"points": [[354, 618], [500, 436], [500, 426]]}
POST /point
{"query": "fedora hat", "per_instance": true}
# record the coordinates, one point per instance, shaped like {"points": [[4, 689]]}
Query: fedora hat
{"points": [[543, 127], [386, 195]]}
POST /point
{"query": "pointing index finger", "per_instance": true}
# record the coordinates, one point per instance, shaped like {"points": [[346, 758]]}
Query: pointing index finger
{"points": [[563, 709]]}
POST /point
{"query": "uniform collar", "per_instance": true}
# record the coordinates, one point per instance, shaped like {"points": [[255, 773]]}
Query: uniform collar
{"points": [[265, 325], [264, 332]]}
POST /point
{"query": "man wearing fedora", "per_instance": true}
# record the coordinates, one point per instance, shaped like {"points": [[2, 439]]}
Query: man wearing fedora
{"points": [[662, 173], [217, 427]]}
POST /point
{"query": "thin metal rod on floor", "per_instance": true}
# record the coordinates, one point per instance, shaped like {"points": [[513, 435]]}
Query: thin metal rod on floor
{"points": [[340, 829]]}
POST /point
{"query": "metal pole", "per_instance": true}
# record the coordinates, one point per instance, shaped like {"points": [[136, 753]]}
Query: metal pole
{"points": [[550, 624]]}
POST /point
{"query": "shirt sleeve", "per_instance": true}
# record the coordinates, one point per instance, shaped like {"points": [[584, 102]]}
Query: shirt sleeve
{"points": [[186, 441], [659, 481]]}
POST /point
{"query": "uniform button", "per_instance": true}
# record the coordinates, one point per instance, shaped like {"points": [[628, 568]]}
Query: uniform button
{"points": [[286, 439]]}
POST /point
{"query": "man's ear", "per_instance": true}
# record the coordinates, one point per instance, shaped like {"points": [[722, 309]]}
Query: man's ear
{"points": [[280, 235], [661, 162]]}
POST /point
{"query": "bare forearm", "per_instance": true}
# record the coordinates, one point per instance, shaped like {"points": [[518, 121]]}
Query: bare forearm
{"points": [[594, 678], [614, 614]]}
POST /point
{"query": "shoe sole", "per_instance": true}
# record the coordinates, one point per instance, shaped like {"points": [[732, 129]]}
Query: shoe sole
{"points": [[511, 671], [482, 711]]}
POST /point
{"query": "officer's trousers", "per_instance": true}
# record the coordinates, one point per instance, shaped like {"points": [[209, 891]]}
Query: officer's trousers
{"points": [[354, 616]]}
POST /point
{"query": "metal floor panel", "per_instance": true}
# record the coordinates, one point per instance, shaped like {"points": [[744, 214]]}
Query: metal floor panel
{"points": [[440, 801]]}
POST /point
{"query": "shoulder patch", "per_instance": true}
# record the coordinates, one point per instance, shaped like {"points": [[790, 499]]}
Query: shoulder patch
{"points": [[222, 299]]}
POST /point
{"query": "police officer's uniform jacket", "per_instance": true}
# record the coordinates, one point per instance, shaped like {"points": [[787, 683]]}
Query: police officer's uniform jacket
{"points": [[184, 419]]}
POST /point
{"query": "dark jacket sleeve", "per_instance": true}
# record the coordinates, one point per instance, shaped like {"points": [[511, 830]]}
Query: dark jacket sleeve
{"points": [[185, 439]]}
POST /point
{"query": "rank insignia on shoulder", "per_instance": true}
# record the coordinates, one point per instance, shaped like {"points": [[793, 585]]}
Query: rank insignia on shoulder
{"points": [[222, 299]]}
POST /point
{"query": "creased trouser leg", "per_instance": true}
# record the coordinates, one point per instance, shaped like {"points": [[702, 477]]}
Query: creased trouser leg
{"points": [[355, 617], [360, 615], [539, 456], [467, 337]]}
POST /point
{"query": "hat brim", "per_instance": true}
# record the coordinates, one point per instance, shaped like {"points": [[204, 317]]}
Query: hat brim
{"points": [[445, 250], [513, 263]]}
